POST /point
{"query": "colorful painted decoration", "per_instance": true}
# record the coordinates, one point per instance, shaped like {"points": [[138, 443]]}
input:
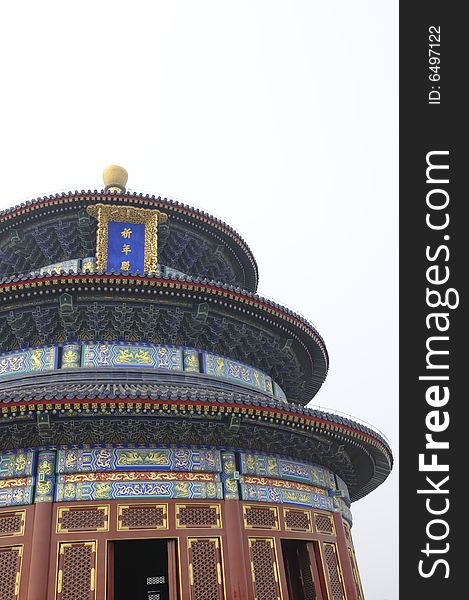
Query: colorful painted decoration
{"points": [[127, 355], [12, 494], [283, 495], [282, 468], [138, 355], [89, 264], [16, 463], [45, 477], [112, 490], [71, 356], [126, 459], [56, 268], [230, 484], [25, 361], [191, 361], [165, 472], [226, 368]]}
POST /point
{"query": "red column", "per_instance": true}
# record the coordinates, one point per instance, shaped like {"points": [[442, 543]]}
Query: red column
{"points": [[344, 558], [234, 554], [40, 551]]}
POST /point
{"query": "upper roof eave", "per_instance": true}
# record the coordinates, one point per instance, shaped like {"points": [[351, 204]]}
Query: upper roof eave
{"points": [[12, 214]]}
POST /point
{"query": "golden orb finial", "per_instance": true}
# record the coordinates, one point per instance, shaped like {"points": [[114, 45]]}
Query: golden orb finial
{"points": [[115, 179]]}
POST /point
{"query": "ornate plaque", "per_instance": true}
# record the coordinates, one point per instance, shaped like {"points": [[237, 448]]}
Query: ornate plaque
{"points": [[127, 238]]}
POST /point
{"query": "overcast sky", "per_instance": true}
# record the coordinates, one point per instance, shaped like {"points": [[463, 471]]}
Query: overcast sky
{"points": [[278, 117]]}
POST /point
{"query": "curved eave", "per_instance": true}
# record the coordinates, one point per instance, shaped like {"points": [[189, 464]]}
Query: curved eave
{"points": [[13, 288], [26, 211], [369, 453]]}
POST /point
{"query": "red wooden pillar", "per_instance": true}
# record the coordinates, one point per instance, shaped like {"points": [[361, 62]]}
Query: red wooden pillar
{"points": [[344, 558], [234, 554], [40, 551], [172, 570]]}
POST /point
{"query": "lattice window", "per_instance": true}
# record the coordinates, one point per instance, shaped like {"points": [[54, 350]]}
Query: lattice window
{"points": [[324, 523], [77, 568], [205, 575], [12, 523], [198, 515], [264, 569], [297, 520], [142, 516], [90, 518], [257, 517], [336, 588], [10, 571], [356, 575], [348, 533]]}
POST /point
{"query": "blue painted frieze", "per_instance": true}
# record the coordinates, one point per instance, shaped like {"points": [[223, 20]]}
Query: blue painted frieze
{"points": [[16, 463], [122, 459], [275, 466], [132, 355], [25, 361], [112, 486]]}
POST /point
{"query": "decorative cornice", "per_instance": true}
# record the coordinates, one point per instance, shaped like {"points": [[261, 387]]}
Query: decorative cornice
{"points": [[26, 282], [13, 289], [318, 426], [142, 404]]}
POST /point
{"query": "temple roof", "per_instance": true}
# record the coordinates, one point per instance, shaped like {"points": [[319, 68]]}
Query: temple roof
{"points": [[57, 228], [238, 324], [203, 298], [160, 408]]}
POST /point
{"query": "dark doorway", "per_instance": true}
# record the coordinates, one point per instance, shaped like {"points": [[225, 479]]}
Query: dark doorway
{"points": [[300, 570], [140, 570]]}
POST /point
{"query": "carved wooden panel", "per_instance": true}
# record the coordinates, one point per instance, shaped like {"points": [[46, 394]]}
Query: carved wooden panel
{"points": [[83, 518], [264, 569], [12, 523], [297, 520], [142, 516], [324, 523], [76, 577], [10, 572], [205, 569], [191, 516], [333, 573], [260, 517]]}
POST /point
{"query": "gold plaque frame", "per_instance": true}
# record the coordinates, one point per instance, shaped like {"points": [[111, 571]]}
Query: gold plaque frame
{"points": [[127, 214]]}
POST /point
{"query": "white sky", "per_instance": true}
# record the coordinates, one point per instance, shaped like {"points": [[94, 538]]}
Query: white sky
{"points": [[279, 117]]}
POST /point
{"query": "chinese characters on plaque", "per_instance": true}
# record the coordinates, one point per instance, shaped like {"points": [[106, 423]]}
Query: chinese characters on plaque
{"points": [[126, 246]]}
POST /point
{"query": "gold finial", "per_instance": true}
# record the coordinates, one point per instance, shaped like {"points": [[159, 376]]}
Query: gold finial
{"points": [[115, 179]]}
